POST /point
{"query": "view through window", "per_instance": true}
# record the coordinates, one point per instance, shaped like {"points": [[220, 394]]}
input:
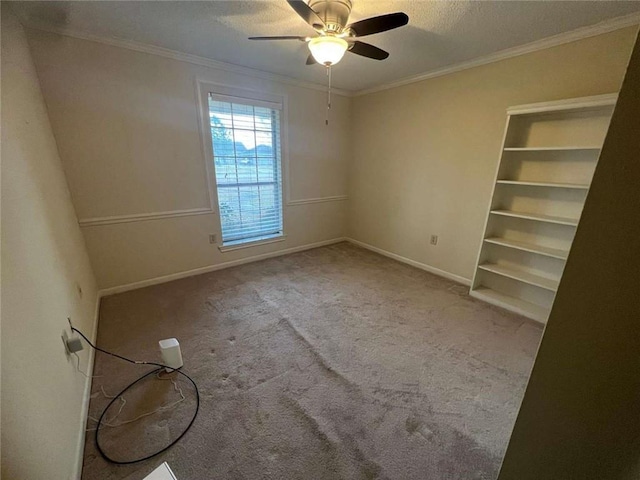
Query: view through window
{"points": [[247, 159]]}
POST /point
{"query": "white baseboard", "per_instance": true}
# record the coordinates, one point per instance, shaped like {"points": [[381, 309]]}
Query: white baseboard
{"points": [[213, 268], [86, 396], [413, 263], [254, 258]]}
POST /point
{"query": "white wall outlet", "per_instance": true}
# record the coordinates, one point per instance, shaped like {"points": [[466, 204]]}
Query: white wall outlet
{"points": [[434, 240], [213, 238]]}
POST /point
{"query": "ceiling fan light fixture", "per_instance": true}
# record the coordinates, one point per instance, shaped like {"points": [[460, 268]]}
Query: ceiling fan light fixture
{"points": [[328, 50]]}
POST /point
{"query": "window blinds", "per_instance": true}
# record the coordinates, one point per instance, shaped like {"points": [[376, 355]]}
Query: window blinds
{"points": [[247, 159]]}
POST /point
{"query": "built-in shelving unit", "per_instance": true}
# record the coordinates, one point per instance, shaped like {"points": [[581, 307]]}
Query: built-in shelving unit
{"points": [[549, 153]]}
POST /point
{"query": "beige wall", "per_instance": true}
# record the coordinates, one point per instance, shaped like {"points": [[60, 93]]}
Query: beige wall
{"points": [[580, 417], [425, 154], [126, 124], [44, 262]]}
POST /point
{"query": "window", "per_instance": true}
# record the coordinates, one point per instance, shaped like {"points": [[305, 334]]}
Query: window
{"points": [[245, 135]]}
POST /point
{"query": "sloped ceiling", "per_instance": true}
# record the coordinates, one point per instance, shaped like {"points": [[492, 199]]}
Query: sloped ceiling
{"points": [[439, 34]]}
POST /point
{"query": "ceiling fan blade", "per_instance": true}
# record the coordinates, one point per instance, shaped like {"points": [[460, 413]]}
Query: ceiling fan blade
{"points": [[311, 60], [281, 37], [369, 51], [307, 14], [378, 24]]}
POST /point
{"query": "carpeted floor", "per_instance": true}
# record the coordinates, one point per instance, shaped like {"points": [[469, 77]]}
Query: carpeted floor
{"points": [[334, 363]]}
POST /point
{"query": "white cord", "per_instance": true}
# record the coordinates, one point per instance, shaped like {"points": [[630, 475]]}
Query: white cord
{"points": [[80, 371], [105, 393], [163, 408]]}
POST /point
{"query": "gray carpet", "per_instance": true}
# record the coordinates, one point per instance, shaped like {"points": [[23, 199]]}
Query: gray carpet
{"points": [[334, 363]]}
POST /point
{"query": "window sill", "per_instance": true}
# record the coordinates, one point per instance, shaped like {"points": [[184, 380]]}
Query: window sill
{"points": [[255, 243]]}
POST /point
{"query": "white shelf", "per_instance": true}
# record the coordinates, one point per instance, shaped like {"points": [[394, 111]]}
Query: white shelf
{"points": [[530, 247], [572, 222], [549, 152], [522, 276], [517, 305], [550, 149], [573, 186]]}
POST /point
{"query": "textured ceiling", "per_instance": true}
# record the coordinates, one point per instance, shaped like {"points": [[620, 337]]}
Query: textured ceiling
{"points": [[439, 34]]}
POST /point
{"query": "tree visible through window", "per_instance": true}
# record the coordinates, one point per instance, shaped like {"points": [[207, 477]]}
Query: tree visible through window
{"points": [[246, 152]]}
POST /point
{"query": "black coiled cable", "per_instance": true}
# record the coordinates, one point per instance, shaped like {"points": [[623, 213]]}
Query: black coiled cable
{"points": [[156, 370]]}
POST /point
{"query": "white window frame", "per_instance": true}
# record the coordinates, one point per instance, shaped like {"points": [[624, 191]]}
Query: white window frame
{"points": [[206, 88]]}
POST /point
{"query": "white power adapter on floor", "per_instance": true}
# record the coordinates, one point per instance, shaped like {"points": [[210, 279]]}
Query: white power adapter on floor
{"points": [[171, 354]]}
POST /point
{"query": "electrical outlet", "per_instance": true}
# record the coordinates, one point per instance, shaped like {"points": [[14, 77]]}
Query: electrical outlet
{"points": [[213, 238], [434, 240]]}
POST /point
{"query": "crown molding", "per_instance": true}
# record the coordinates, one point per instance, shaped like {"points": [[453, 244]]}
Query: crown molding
{"points": [[581, 103], [542, 44], [188, 58]]}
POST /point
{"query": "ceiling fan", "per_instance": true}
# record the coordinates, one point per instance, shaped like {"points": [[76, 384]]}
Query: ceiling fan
{"points": [[335, 36]]}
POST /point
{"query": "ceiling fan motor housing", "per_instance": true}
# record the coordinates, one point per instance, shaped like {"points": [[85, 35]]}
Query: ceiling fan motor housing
{"points": [[334, 13], [335, 36]]}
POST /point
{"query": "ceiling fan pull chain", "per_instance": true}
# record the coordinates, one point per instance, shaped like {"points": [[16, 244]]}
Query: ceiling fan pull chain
{"points": [[326, 122]]}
